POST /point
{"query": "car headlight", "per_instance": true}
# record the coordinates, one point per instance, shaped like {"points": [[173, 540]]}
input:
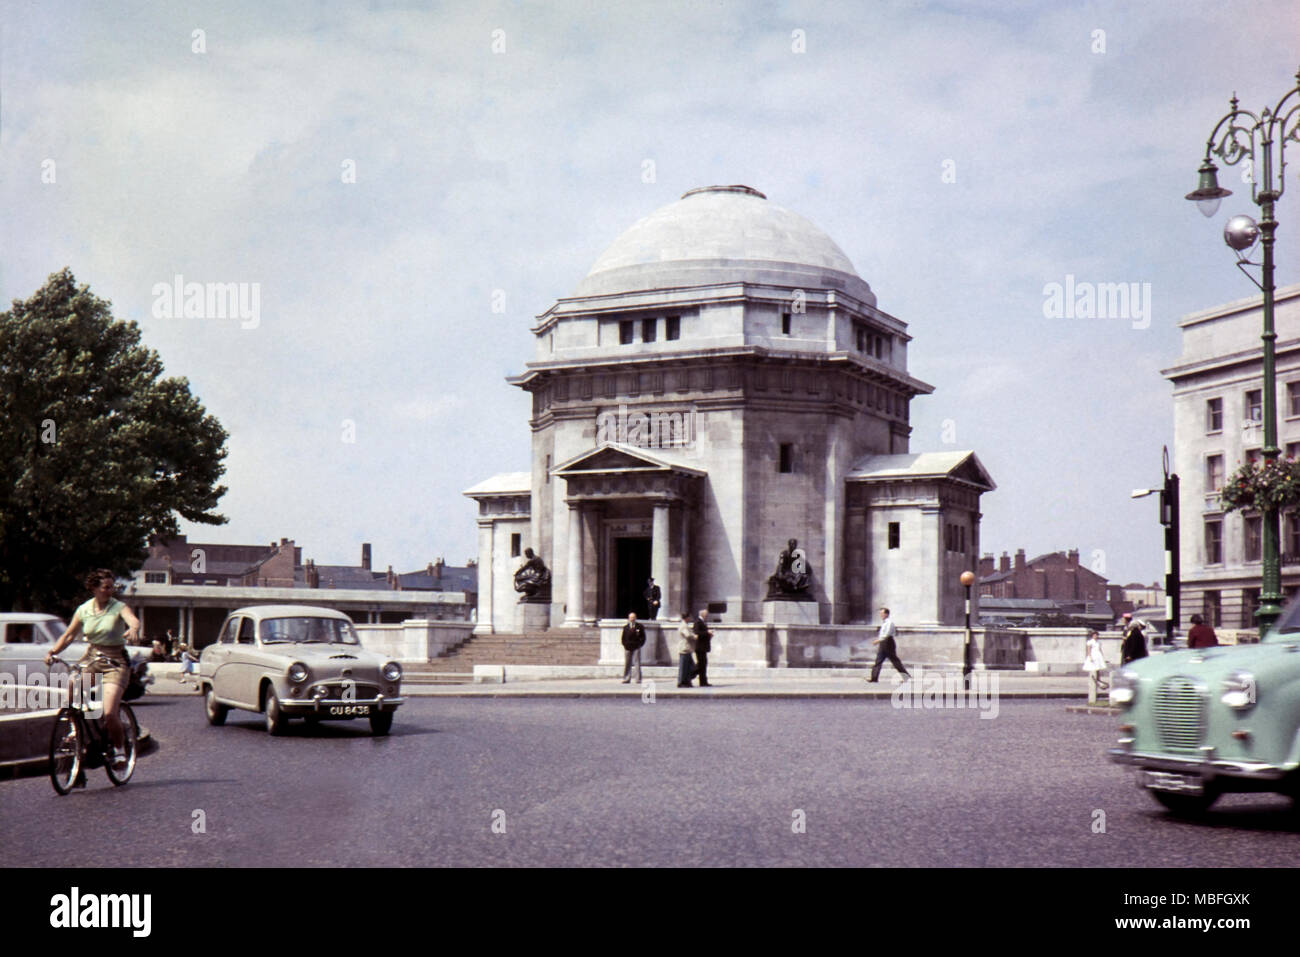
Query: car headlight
{"points": [[1123, 687], [298, 672], [392, 671], [1238, 690]]}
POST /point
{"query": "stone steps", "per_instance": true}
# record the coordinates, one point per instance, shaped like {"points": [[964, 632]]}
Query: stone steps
{"points": [[573, 648]]}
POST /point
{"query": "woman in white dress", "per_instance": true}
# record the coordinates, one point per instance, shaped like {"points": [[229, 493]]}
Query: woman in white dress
{"points": [[1094, 663]]}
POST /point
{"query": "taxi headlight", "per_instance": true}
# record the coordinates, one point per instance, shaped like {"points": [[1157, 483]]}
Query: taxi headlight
{"points": [[1123, 687], [298, 672], [1238, 690], [392, 671]]}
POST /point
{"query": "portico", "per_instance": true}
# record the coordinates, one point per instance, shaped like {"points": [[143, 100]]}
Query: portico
{"points": [[629, 518]]}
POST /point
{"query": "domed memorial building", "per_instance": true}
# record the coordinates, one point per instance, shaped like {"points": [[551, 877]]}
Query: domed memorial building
{"points": [[720, 384]]}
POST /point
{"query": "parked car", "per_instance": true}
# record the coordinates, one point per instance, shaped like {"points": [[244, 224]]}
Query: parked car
{"points": [[1201, 722], [28, 636], [288, 661], [25, 702]]}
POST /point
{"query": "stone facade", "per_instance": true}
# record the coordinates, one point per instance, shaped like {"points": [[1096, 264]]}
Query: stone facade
{"points": [[1218, 384], [720, 383]]}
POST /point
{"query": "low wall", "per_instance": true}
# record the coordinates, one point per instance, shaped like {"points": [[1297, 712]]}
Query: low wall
{"points": [[740, 643], [758, 645], [414, 640]]}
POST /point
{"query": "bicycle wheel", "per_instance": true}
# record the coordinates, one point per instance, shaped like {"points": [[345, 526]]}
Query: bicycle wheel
{"points": [[67, 749], [119, 774]]}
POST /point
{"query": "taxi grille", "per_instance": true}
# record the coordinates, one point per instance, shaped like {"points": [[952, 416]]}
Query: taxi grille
{"points": [[1179, 711]]}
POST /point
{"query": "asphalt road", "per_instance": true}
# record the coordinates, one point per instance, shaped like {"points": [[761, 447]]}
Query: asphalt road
{"points": [[675, 782]]}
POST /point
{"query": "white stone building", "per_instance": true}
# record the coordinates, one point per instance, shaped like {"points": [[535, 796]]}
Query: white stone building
{"points": [[1218, 416], [720, 382]]}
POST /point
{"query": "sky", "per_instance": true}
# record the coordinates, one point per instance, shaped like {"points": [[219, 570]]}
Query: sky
{"points": [[408, 185]]}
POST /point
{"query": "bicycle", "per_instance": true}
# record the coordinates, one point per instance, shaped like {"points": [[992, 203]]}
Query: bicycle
{"points": [[79, 741]]}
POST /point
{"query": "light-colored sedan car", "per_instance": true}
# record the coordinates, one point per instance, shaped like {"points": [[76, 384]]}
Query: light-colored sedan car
{"points": [[290, 661], [1201, 722]]}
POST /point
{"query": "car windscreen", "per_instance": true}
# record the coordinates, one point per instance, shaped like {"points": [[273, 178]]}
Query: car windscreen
{"points": [[1289, 623], [308, 630]]}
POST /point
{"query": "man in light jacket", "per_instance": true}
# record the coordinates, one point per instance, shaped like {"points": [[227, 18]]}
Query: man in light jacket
{"points": [[888, 650], [685, 651]]}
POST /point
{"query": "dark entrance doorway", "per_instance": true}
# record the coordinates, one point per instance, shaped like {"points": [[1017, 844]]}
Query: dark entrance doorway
{"points": [[631, 569]]}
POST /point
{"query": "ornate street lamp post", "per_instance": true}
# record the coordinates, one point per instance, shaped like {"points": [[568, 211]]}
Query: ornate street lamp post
{"points": [[1239, 135]]}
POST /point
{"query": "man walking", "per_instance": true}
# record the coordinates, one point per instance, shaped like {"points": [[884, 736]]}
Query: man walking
{"points": [[888, 650], [633, 640], [652, 596], [703, 644]]}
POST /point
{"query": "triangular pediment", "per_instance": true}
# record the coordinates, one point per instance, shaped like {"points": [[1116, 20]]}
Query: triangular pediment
{"points": [[615, 458], [963, 466]]}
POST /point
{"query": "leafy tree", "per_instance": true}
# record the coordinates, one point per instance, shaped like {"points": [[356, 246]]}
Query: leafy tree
{"points": [[97, 451]]}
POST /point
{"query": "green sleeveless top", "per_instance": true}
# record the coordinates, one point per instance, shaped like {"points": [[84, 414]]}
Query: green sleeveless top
{"points": [[106, 628]]}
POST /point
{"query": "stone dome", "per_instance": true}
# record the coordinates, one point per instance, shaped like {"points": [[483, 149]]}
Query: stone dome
{"points": [[723, 234]]}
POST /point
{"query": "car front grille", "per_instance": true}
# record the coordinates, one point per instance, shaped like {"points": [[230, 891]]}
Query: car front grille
{"points": [[360, 690], [1179, 711]]}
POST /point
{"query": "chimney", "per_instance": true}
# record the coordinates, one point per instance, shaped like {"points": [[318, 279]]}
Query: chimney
{"points": [[284, 542], [437, 568], [1072, 556], [365, 556], [1020, 559], [392, 579], [987, 565], [1004, 563], [428, 569]]}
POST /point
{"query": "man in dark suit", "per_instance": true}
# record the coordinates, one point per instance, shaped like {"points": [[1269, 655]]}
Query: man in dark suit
{"points": [[652, 596], [1134, 645], [702, 647], [633, 639]]}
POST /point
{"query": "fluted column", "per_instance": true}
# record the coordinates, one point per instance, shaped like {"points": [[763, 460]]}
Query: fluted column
{"points": [[659, 559], [573, 609]]}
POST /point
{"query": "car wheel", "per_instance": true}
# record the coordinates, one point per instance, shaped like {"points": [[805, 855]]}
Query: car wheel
{"points": [[1186, 805], [215, 710], [381, 722], [276, 720]]}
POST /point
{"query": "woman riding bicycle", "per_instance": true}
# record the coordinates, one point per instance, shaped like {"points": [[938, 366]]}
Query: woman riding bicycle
{"points": [[106, 623]]}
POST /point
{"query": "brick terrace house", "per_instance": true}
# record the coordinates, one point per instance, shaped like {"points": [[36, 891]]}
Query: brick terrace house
{"points": [[1055, 575]]}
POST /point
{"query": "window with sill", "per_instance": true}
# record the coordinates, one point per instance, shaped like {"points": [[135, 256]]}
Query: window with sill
{"points": [[1293, 398], [1252, 545], [1213, 473], [1213, 541], [1214, 415], [673, 327], [1253, 407], [626, 332]]}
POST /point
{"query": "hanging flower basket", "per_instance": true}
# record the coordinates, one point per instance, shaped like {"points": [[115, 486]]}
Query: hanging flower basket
{"points": [[1262, 485]]}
